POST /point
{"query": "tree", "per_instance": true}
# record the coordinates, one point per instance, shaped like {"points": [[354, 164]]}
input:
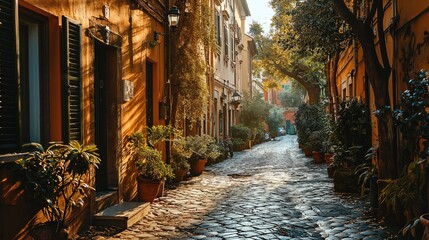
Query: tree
{"points": [[253, 110], [274, 119], [314, 29], [191, 43], [290, 99], [378, 70], [279, 63]]}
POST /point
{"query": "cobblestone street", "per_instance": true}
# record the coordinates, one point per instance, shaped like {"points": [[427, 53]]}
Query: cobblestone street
{"points": [[268, 192]]}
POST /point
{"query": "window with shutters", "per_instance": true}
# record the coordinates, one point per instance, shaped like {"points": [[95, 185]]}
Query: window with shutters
{"points": [[9, 112], [218, 29], [226, 45], [72, 74], [24, 81]]}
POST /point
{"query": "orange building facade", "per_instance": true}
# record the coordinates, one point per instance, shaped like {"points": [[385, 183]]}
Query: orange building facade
{"points": [[407, 41], [78, 70]]}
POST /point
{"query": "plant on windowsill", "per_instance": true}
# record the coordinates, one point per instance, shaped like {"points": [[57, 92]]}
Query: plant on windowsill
{"points": [[203, 149], [152, 171], [55, 178]]}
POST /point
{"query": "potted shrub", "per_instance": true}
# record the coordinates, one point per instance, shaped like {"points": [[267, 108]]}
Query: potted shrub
{"points": [[316, 144], [203, 148], [152, 171], [55, 179], [179, 159]]}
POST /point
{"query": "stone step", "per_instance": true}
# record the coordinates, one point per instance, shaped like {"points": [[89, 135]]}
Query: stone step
{"points": [[121, 215], [105, 199]]}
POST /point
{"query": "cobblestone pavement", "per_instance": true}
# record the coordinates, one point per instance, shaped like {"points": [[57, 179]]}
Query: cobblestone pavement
{"points": [[268, 192]]}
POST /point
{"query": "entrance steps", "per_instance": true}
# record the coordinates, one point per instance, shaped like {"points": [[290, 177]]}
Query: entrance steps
{"points": [[121, 215]]}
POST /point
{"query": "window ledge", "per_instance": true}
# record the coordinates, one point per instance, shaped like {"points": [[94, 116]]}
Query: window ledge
{"points": [[9, 158]]}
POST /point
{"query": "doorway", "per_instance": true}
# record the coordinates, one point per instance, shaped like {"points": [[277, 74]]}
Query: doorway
{"points": [[106, 72]]}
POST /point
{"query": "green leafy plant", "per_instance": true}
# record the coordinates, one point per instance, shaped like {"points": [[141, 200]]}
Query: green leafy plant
{"points": [[366, 170], [405, 190], [274, 119], [180, 155], [202, 147], [309, 119], [241, 131], [350, 133], [55, 177], [148, 159]]}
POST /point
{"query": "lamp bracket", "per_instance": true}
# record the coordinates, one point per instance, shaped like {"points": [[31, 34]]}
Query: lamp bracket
{"points": [[156, 35]]}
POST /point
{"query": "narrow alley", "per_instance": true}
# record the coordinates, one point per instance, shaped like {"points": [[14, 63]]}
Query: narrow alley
{"points": [[268, 192]]}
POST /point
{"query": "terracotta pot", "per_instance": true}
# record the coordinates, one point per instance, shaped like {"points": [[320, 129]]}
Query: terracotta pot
{"points": [[147, 189], [197, 167], [308, 152], [328, 158], [317, 157], [179, 175], [424, 220]]}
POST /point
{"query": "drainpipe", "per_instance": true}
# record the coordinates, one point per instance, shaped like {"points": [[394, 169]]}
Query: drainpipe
{"points": [[167, 73]]}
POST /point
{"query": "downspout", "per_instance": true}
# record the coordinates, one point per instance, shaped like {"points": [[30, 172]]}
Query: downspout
{"points": [[395, 138], [167, 73]]}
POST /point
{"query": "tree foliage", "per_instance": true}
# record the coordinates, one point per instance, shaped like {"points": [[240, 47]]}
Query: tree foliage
{"points": [[279, 63], [253, 110], [274, 119], [190, 44], [290, 99], [313, 27]]}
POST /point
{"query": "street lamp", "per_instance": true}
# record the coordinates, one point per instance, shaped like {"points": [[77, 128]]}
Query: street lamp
{"points": [[173, 21], [173, 17], [236, 97]]}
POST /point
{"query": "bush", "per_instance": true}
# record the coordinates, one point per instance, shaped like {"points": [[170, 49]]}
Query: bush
{"points": [[309, 119], [259, 135], [238, 144], [242, 132], [352, 130]]}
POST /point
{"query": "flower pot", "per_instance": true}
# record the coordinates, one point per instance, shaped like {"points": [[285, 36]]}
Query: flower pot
{"points": [[48, 231], [308, 152], [179, 175], [197, 167], [424, 220], [147, 189], [317, 157], [328, 158]]}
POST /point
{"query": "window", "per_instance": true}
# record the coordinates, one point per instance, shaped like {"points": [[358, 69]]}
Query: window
{"points": [[30, 99], [226, 48], [218, 30], [24, 95]]}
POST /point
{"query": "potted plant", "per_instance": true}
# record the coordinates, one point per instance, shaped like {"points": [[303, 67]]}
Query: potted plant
{"points": [[316, 144], [203, 148], [152, 171], [179, 159], [54, 178]]}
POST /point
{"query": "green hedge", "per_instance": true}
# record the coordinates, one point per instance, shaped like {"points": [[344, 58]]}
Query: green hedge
{"points": [[242, 132]]}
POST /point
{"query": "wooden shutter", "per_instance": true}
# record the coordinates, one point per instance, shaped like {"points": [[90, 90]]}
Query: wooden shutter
{"points": [[72, 70], [9, 77]]}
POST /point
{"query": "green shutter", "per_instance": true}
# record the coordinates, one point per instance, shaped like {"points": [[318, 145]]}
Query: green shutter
{"points": [[9, 104], [72, 70]]}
